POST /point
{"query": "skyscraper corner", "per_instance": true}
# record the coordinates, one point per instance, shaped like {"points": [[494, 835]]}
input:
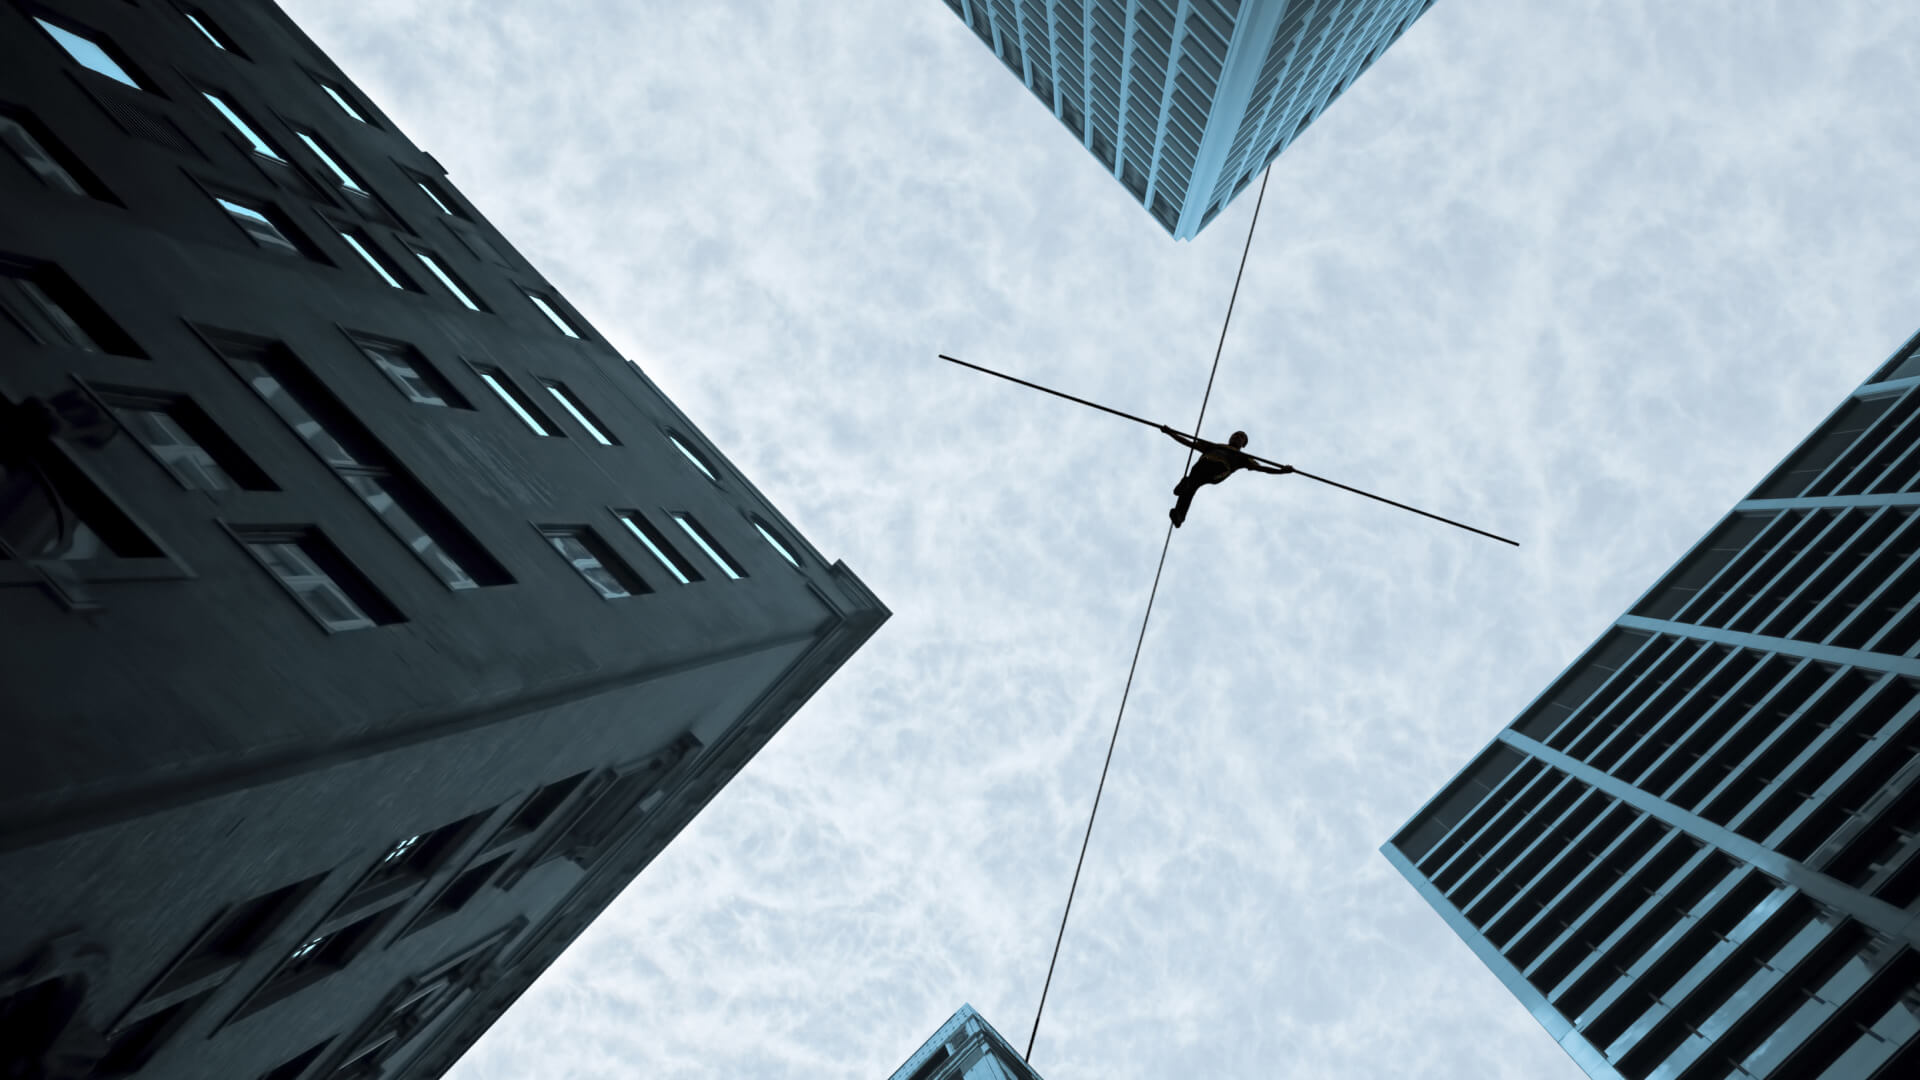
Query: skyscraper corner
{"points": [[1186, 101], [370, 622], [966, 1047], [1697, 854]]}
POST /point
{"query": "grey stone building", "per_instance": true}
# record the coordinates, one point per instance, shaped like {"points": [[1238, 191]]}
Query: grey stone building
{"points": [[965, 1048], [369, 622], [1697, 854], [1186, 101]]}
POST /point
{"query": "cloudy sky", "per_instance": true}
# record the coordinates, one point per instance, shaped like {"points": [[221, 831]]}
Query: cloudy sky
{"points": [[1579, 272]]}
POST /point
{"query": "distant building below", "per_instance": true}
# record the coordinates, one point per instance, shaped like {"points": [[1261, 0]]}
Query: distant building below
{"points": [[1186, 101], [965, 1048]]}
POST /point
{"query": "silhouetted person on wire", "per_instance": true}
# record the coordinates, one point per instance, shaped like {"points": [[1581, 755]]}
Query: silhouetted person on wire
{"points": [[1217, 461]]}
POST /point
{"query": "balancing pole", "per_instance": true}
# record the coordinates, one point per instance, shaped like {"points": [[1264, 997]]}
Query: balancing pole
{"points": [[1264, 461]]}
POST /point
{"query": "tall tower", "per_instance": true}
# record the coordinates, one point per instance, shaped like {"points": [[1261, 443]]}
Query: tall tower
{"points": [[965, 1048], [1185, 101], [1698, 853], [369, 622]]}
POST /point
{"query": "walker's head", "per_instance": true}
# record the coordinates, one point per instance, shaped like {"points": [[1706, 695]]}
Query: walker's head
{"points": [[1238, 440]]}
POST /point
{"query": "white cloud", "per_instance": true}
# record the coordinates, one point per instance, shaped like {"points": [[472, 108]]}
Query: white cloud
{"points": [[1577, 273]]}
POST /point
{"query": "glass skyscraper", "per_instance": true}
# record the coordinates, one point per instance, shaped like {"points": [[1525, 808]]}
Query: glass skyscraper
{"points": [[1697, 854], [965, 1048], [1185, 101]]}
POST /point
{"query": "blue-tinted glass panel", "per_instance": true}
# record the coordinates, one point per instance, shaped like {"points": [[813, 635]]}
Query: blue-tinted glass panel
{"points": [[346, 178], [200, 23], [379, 267], [580, 414], [553, 316], [260, 145], [687, 452], [259, 226], [340, 99], [509, 394], [446, 279], [88, 53], [774, 540], [699, 536]]}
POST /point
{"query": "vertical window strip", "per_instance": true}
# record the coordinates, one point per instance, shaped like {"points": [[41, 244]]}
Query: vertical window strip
{"points": [[698, 534], [578, 412], [435, 196], [200, 24], [774, 540], [379, 267], [346, 178], [553, 316], [687, 452], [497, 381], [260, 145], [341, 100], [446, 279], [658, 546]]}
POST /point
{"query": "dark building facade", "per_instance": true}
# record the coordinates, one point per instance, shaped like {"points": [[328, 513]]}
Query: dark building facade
{"points": [[1697, 854], [1186, 101], [965, 1048], [369, 622]]}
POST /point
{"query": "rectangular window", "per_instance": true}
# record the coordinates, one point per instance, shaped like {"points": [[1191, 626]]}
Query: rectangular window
{"points": [[51, 309], [134, 1043], [687, 452], [259, 225], [232, 936], [459, 892], [34, 147], [185, 441], [341, 99], [435, 194], [254, 140], [401, 506], [773, 539], [656, 543], [45, 319], [594, 560], [346, 179], [541, 806], [708, 544], [522, 405], [447, 279], [90, 52], [362, 245], [408, 862], [85, 524], [579, 412], [411, 373], [611, 815], [319, 956], [553, 316], [434, 536], [320, 578]]}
